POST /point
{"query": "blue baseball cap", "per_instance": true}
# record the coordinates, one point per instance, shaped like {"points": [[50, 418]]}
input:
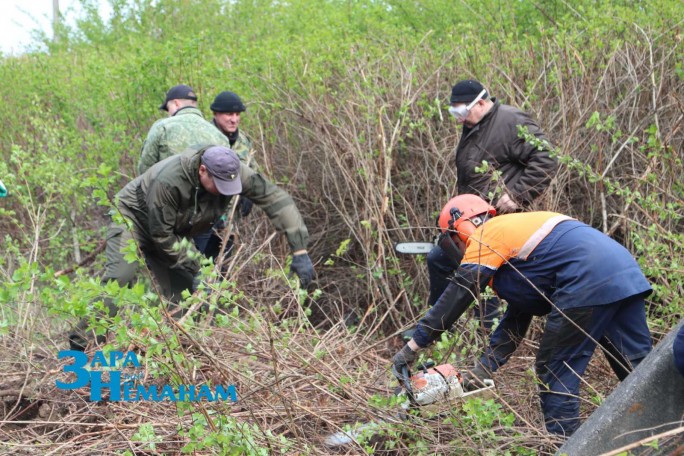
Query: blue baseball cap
{"points": [[224, 166]]}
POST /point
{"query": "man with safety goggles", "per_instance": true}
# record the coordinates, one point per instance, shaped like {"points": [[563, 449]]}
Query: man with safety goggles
{"points": [[491, 133], [460, 111]]}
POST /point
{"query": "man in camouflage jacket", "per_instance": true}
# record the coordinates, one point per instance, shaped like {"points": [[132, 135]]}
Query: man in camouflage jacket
{"points": [[184, 127], [227, 109]]}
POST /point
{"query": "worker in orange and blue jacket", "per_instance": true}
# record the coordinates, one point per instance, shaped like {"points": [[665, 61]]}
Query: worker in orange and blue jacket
{"points": [[590, 288]]}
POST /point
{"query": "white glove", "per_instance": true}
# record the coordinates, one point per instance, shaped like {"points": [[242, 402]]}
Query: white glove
{"points": [[505, 204]]}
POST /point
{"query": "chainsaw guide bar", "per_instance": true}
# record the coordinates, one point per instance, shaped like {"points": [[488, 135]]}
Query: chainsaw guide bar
{"points": [[414, 248]]}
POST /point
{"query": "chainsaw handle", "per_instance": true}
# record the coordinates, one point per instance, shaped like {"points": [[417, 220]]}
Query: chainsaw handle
{"points": [[426, 365], [404, 377]]}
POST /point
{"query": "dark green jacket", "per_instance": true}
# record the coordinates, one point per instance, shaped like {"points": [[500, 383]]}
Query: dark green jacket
{"points": [[167, 203], [171, 136]]}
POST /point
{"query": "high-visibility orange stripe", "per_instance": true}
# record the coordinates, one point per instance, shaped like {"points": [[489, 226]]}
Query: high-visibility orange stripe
{"points": [[509, 236]]}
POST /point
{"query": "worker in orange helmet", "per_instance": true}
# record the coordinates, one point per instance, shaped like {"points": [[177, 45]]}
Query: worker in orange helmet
{"points": [[590, 288]]}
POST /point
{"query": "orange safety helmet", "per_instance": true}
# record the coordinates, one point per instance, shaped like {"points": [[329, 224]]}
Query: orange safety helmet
{"points": [[463, 214]]}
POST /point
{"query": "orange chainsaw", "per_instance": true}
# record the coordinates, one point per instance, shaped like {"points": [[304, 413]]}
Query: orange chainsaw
{"points": [[434, 388], [431, 391]]}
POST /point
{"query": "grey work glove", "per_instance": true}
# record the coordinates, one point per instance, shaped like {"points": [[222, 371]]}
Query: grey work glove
{"points": [[474, 377], [303, 267], [403, 359], [506, 205]]}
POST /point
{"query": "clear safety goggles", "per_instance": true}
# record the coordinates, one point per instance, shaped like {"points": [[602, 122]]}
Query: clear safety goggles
{"points": [[461, 112]]}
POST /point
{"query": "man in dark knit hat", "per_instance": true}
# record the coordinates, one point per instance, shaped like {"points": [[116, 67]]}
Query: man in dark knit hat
{"points": [[491, 133], [227, 109]]}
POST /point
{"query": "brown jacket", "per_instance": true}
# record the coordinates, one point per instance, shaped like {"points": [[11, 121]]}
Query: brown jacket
{"points": [[525, 168]]}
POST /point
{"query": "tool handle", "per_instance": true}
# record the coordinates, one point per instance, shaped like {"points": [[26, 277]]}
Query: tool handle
{"points": [[426, 365]]}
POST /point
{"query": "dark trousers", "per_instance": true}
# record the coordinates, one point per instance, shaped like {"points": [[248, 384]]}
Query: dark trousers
{"points": [[440, 267], [171, 282], [209, 243], [565, 351]]}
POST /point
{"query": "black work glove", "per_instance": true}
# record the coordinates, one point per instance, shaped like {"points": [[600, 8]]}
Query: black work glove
{"points": [[474, 377], [246, 205], [303, 267], [404, 358]]}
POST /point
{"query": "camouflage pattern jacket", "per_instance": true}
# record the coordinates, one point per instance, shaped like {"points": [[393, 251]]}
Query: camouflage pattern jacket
{"points": [[171, 136], [167, 204]]}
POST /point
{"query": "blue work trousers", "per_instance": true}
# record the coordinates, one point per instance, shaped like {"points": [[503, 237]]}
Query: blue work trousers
{"points": [[565, 351]]}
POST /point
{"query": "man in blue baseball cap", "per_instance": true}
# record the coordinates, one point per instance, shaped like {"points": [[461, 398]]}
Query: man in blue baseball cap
{"points": [[178, 198]]}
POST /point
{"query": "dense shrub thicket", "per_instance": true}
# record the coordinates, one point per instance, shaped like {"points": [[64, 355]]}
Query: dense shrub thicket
{"points": [[346, 104]]}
